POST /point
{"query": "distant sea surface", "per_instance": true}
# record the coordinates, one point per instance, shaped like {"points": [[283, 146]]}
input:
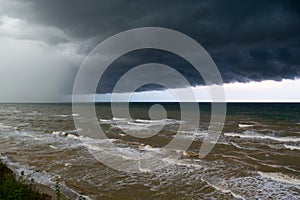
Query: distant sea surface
{"points": [[256, 157]]}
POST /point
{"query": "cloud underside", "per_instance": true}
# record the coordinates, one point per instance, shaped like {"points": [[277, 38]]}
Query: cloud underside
{"points": [[249, 41]]}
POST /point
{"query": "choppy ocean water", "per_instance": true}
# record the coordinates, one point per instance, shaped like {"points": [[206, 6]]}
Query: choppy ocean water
{"points": [[256, 157]]}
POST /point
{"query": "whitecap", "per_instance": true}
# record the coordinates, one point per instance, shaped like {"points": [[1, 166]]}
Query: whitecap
{"points": [[256, 136], [33, 113], [130, 127], [138, 124], [59, 133], [245, 125], [105, 120], [5, 127], [61, 115], [67, 164], [185, 163], [150, 148], [240, 147], [119, 119], [148, 121], [196, 134], [276, 176], [224, 190], [159, 121], [291, 147], [53, 147], [73, 136]]}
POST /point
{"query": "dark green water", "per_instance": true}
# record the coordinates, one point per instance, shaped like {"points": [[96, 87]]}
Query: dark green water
{"points": [[256, 157]]}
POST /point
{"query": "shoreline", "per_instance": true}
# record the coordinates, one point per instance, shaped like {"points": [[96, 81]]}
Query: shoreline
{"points": [[42, 191], [43, 182]]}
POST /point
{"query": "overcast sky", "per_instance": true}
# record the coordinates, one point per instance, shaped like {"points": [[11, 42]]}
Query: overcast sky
{"points": [[255, 44]]}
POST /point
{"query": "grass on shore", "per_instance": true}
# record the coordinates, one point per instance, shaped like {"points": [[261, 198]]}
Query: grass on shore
{"points": [[12, 188]]}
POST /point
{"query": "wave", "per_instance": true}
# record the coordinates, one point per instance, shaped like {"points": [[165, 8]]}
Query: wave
{"points": [[240, 147], [257, 136], [145, 122], [291, 147], [4, 127], [119, 119], [160, 121], [277, 147], [138, 124], [53, 147], [39, 177], [141, 125], [57, 140], [276, 176], [59, 133], [65, 133], [245, 125], [33, 113], [140, 151], [128, 152], [61, 116], [105, 120], [187, 163], [130, 127], [152, 149], [196, 134], [224, 190]]}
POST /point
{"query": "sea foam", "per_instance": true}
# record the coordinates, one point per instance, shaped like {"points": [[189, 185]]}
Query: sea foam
{"points": [[280, 177], [257, 136]]}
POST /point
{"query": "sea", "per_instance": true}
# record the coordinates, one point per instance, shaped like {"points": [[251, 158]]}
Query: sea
{"points": [[257, 155]]}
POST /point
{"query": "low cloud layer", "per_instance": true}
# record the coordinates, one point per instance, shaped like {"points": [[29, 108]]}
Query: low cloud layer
{"points": [[249, 40]]}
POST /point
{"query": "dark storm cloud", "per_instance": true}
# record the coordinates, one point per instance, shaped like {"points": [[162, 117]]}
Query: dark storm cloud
{"points": [[249, 40]]}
